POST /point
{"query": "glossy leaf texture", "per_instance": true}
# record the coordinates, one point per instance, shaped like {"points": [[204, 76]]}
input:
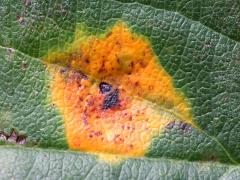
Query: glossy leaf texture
{"points": [[193, 44]]}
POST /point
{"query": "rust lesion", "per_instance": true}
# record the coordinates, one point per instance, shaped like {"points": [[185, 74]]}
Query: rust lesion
{"points": [[113, 93]]}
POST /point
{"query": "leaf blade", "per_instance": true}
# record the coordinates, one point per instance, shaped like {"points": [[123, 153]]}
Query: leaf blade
{"points": [[24, 163]]}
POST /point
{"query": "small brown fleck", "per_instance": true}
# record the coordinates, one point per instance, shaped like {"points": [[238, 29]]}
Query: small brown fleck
{"points": [[24, 65], [80, 99], [90, 135], [11, 50], [53, 105], [136, 83], [118, 43], [98, 133], [151, 87], [21, 20], [64, 70], [87, 61], [143, 65], [132, 64]]}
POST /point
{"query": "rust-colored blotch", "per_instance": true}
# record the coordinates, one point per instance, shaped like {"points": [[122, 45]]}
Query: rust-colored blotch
{"points": [[145, 103]]}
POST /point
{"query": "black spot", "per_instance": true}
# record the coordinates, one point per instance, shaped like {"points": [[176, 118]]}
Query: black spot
{"points": [[111, 99], [105, 87]]}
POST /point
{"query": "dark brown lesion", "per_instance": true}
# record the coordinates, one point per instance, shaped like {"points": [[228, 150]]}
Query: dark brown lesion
{"points": [[111, 95], [105, 87], [13, 137], [111, 100]]}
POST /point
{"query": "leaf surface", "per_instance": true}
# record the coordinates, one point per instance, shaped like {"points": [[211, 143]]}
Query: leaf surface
{"points": [[195, 48], [54, 164]]}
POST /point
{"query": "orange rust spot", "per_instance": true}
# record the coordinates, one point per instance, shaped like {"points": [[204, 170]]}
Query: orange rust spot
{"points": [[147, 98]]}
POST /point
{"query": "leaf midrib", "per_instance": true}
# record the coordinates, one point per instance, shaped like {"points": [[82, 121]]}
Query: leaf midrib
{"points": [[6, 146]]}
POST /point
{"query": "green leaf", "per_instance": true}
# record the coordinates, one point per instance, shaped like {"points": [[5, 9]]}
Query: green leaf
{"points": [[28, 163], [197, 44]]}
